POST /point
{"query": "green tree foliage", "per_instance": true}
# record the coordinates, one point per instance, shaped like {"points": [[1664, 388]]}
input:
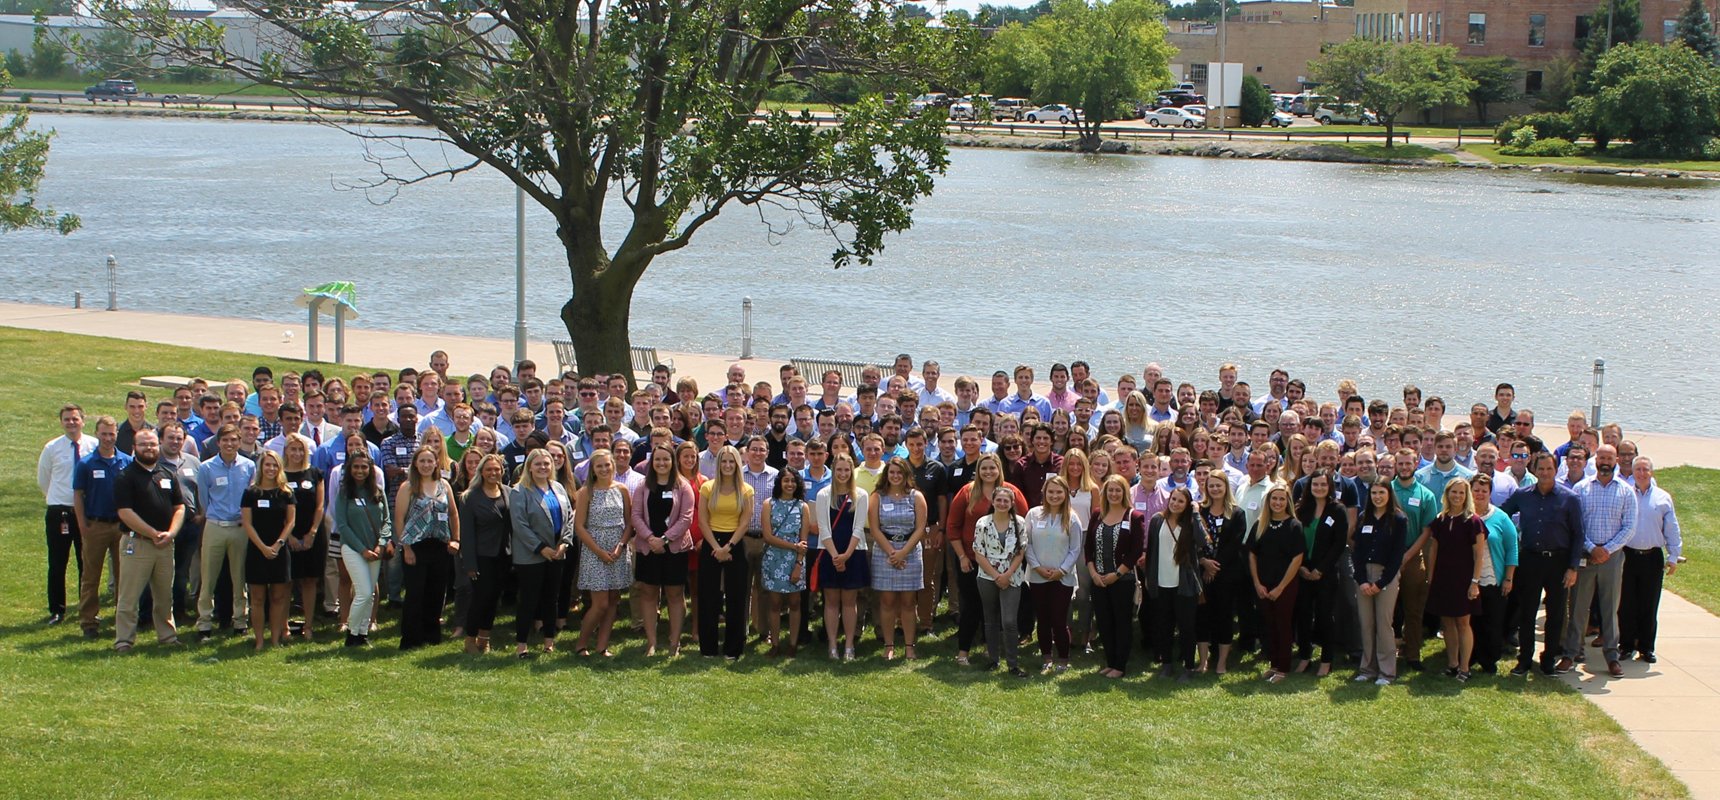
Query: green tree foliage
{"points": [[1256, 103], [1696, 30], [1392, 78], [1496, 79], [583, 102], [23, 158], [1664, 99], [1100, 57], [33, 7], [1623, 18], [112, 53], [47, 54], [17, 63], [1558, 84]]}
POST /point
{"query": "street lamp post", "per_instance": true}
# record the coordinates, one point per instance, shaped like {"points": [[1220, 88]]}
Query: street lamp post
{"points": [[519, 274]]}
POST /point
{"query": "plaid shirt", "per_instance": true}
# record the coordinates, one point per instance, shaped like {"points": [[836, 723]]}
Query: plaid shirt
{"points": [[1609, 513], [397, 451]]}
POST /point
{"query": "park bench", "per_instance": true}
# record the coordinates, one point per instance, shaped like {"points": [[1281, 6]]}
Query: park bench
{"points": [[644, 359], [813, 369]]}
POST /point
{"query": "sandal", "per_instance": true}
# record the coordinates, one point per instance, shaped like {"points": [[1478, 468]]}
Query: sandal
{"points": [[583, 652], [910, 654], [961, 660]]}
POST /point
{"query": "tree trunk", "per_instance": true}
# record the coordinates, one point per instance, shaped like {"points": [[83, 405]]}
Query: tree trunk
{"points": [[1390, 126], [596, 315]]}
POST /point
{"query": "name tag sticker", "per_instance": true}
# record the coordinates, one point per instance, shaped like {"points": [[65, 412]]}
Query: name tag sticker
{"points": [[166, 483], [1367, 529], [1415, 502], [358, 502], [1143, 506], [442, 516], [340, 456], [1254, 506], [670, 495], [1329, 521], [400, 451], [520, 459], [220, 480], [98, 474], [262, 503], [305, 484]]}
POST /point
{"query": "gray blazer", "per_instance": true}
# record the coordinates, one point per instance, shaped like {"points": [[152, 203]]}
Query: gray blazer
{"points": [[533, 528]]}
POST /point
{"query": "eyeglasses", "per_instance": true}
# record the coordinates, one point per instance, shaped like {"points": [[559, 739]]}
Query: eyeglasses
{"points": [[587, 394], [1519, 456]]}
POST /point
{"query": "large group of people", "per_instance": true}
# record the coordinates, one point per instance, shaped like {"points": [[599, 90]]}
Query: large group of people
{"points": [[1162, 524]]}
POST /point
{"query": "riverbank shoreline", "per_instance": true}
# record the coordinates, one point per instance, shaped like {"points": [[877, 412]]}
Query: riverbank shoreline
{"points": [[1197, 145], [471, 354]]}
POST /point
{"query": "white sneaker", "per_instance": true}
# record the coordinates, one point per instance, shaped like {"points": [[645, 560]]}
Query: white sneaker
{"points": [[1383, 682], [1362, 679]]}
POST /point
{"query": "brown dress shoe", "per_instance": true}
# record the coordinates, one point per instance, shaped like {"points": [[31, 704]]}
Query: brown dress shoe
{"points": [[1615, 669], [1565, 665]]}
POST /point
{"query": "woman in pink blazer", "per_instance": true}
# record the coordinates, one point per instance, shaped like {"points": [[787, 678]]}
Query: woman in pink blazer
{"points": [[663, 517]]}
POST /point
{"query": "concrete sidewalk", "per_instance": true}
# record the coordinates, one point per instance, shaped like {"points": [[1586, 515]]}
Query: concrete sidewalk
{"points": [[467, 355], [1671, 708]]}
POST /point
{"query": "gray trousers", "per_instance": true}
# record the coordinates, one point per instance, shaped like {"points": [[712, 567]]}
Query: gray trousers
{"points": [[1606, 579], [1379, 648], [1000, 628]]}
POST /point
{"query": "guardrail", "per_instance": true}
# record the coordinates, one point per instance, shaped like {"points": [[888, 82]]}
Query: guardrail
{"points": [[1228, 134], [202, 102]]}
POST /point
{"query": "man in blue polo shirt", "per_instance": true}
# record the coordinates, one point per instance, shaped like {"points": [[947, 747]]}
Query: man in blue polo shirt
{"points": [[98, 518], [333, 452], [1024, 396], [1436, 475]]}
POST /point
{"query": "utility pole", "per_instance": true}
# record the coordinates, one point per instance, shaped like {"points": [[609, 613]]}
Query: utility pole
{"points": [[1223, 11]]}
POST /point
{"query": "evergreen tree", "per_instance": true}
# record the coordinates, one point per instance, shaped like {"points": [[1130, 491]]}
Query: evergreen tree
{"points": [[1696, 30]]}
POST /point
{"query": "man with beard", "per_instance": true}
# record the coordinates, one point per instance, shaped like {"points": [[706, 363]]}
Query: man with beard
{"points": [[146, 497]]}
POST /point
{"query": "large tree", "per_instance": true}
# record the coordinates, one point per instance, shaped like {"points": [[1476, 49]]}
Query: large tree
{"points": [[1496, 79], [580, 102], [1392, 78], [1102, 56], [23, 158], [1663, 98], [1614, 22], [1696, 30]]}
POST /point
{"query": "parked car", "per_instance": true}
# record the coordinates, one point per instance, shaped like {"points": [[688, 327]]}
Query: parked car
{"points": [[1195, 109], [1178, 98], [918, 105], [963, 108], [1056, 111], [111, 89], [1171, 117], [1013, 109], [1345, 114], [1280, 119], [1303, 105]]}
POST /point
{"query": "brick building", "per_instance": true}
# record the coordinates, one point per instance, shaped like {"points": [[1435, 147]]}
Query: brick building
{"points": [[1273, 40]]}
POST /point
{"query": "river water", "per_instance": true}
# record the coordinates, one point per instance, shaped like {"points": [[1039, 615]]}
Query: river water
{"points": [[1452, 279]]}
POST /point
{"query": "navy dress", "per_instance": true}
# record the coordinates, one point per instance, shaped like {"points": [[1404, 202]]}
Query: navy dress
{"points": [[857, 575]]}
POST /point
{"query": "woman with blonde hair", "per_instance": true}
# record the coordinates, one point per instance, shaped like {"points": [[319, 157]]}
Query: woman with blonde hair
{"points": [[566, 593], [725, 510], [1083, 494], [488, 527], [541, 515], [1226, 528], [840, 574], [1274, 556], [1138, 428], [1457, 557], [267, 512], [1113, 545], [600, 521], [999, 542], [1053, 551], [662, 511], [430, 540], [308, 544]]}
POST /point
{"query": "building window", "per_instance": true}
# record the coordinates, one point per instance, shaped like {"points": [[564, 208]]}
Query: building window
{"points": [[1532, 82], [1669, 30], [1438, 26], [1537, 30], [1582, 28], [1478, 29]]}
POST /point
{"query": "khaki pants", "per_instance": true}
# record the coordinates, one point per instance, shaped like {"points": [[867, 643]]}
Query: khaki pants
{"points": [[220, 540], [1412, 581], [101, 542], [933, 560], [754, 547], [1379, 656], [142, 564]]}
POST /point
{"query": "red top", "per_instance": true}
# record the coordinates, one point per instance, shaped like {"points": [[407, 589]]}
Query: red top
{"points": [[961, 524]]}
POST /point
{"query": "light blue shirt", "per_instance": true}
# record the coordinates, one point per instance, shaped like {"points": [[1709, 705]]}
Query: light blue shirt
{"points": [[1656, 522], [220, 486], [1014, 405], [1431, 477], [333, 454], [1501, 543], [1609, 513]]}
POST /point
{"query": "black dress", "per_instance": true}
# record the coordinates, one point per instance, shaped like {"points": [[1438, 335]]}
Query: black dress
{"points": [[665, 568], [307, 563], [268, 517]]}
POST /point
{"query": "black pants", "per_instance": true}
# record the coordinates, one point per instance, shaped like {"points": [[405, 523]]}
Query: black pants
{"points": [[1173, 627], [1639, 598], [1113, 609], [970, 620], [486, 591], [723, 589], [61, 547], [1216, 618], [1489, 628], [426, 585], [1540, 576], [1249, 630], [187, 544], [1316, 616], [537, 585], [565, 588]]}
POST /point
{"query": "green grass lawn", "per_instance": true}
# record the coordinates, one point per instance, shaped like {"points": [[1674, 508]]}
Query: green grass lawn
{"points": [[1491, 153], [214, 88], [315, 720], [1696, 496]]}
